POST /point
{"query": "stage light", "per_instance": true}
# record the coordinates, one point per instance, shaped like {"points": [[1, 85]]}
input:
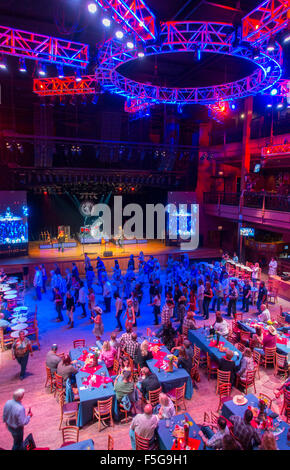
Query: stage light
{"points": [[269, 105], [274, 91], [280, 105], [256, 54], [130, 45], [3, 63], [92, 8], [271, 45], [22, 66], [106, 22], [198, 54], [233, 106], [95, 99], [41, 69], [285, 35], [141, 54], [60, 71], [78, 75], [119, 34], [242, 115]]}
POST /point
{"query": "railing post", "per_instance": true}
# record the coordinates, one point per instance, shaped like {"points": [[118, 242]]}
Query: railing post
{"points": [[263, 205]]}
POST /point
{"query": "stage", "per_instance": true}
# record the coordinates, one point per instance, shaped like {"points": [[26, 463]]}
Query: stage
{"points": [[75, 254]]}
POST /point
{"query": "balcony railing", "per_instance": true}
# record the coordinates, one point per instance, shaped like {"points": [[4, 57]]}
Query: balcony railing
{"points": [[263, 201]]}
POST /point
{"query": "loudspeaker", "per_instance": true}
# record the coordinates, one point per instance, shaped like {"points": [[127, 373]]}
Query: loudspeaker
{"points": [[107, 253]]}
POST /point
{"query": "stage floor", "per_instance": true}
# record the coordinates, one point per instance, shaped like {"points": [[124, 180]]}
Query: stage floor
{"points": [[153, 247]]}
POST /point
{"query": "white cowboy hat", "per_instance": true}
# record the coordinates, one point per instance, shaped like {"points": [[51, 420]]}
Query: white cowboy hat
{"points": [[272, 330], [240, 400], [98, 309]]}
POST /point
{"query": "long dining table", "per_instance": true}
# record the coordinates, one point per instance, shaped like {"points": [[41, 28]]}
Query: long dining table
{"points": [[201, 339], [89, 396]]}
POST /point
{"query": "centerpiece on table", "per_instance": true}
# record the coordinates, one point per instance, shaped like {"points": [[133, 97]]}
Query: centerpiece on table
{"points": [[171, 359], [262, 405], [94, 358]]}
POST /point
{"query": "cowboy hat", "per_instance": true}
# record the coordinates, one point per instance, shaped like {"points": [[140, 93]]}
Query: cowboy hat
{"points": [[98, 309], [272, 330]]}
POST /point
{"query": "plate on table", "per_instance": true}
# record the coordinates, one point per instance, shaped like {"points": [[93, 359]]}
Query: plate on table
{"points": [[240, 400]]}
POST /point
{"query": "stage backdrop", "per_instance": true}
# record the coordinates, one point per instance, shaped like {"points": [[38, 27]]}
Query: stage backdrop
{"points": [[13, 223]]}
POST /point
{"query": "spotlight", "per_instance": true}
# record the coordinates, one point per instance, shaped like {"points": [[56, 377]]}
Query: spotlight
{"points": [[256, 54], [22, 65], [242, 115], [130, 45], [41, 70], [92, 8], [280, 105], [198, 54], [233, 106], [119, 34], [285, 36], [3, 63], [269, 105], [141, 54], [60, 71], [106, 22], [274, 91], [271, 45], [78, 75]]}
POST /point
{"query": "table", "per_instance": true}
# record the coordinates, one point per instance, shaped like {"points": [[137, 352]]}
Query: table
{"points": [[283, 349], [19, 320], [164, 434], [229, 409], [19, 326], [90, 398], [171, 380], [88, 444], [199, 338], [21, 308]]}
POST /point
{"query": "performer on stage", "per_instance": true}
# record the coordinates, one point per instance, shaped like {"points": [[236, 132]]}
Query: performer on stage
{"points": [[61, 240]]}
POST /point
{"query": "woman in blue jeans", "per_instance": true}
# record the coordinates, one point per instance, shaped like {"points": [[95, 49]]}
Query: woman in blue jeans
{"points": [[208, 295], [20, 351]]}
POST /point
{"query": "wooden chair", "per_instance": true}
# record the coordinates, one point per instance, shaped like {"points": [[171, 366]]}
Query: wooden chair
{"points": [[269, 357], [224, 391], [245, 337], [211, 366], [153, 397], [103, 412], [115, 369], [266, 399], [110, 442], [241, 347], [33, 335], [210, 418], [70, 435], [141, 442], [5, 340], [58, 384], [199, 355], [123, 410], [273, 295], [148, 332], [257, 360], [79, 343], [177, 395], [68, 411], [50, 380], [249, 380], [223, 377], [280, 364]]}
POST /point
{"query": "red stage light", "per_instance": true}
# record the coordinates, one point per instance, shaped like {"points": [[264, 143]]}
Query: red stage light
{"points": [[45, 193]]}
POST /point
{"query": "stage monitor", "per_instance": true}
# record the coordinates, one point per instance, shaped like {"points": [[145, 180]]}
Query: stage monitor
{"points": [[13, 223], [247, 232]]}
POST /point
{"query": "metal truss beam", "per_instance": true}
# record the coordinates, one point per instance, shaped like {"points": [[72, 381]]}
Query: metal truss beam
{"points": [[43, 48], [133, 15], [270, 17]]}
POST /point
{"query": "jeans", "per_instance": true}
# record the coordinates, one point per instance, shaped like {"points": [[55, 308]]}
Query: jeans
{"points": [[108, 303], [205, 307], [38, 292], [259, 303], [118, 316], [200, 306], [17, 434], [218, 301], [156, 312], [58, 307], [207, 431], [246, 303], [83, 308], [22, 361], [232, 307]]}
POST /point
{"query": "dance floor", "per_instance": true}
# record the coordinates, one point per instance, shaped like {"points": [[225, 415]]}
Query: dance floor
{"points": [[46, 412]]}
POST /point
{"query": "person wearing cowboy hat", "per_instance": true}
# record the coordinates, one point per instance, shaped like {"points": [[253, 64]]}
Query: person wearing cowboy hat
{"points": [[130, 314], [98, 329], [270, 339]]}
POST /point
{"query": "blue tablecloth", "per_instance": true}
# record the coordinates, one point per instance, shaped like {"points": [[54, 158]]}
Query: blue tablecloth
{"points": [[164, 434], [287, 316], [89, 398], [229, 409], [199, 338], [281, 348], [82, 445]]}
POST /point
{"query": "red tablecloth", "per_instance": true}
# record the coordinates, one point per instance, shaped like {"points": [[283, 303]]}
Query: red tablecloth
{"points": [[213, 344], [100, 380], [90, 370], [192, 443]]}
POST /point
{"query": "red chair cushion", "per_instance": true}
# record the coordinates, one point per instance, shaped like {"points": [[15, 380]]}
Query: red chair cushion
{"points": [[70, 407], [67, 443]]}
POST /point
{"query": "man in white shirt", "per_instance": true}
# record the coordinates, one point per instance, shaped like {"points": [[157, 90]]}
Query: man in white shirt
{"points": [[37, 282], [15, 418], [144, 425], [82, 299], [200, 296], [265, 315]]}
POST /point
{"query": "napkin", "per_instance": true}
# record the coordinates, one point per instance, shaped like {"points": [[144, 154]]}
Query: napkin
{"points": [[100, 380]]}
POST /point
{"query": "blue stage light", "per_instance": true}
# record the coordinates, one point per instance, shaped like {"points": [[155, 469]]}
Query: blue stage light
{"points": [[106, 22], [60, 71], [274, 91], [22, 66], [233, 106]]}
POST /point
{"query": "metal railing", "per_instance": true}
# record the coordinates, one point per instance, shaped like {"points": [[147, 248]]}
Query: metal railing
{"points": [[264, 201]]}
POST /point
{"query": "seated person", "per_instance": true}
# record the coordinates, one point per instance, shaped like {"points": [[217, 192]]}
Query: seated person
{"points": [[187, 347], [184, 361], [143, 355], [243, 431], [269, 339], [114, 342], [257, 338], [167, 334], [144, 424], [227, 364], [167, 408], [247, 364], [108, 354], [211, 439], [148, 383], [188, 323], [66, 369], [132, 346], [265, 315], [221, 325], [124, 386], [52, 359]]}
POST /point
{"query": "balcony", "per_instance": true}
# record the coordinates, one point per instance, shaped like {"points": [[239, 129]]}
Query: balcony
{"points": [[258, 208]]}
